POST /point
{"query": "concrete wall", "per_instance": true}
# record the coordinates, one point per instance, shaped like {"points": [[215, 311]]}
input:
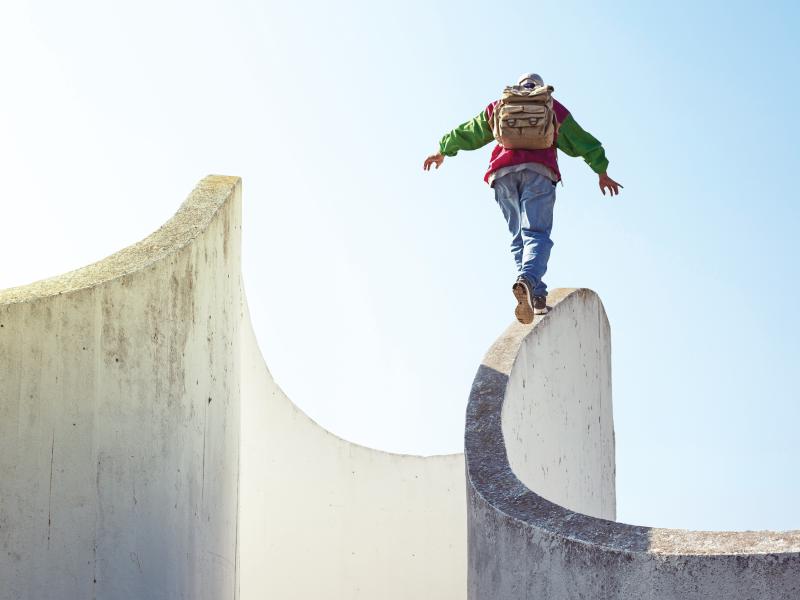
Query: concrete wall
{"points": [[325, 518], [557, 420], [127, 390], [146, 452], [522, 545], [119, 417]]}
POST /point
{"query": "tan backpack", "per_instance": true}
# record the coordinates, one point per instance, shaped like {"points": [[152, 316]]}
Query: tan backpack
{"points": [[524, 118]]}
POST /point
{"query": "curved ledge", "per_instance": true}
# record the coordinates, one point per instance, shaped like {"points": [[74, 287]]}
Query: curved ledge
{"points": [[522, 545], [192, 218], [369, 523]]}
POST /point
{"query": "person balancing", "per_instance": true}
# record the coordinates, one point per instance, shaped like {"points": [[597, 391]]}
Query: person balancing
{"points": [[528, 125]]}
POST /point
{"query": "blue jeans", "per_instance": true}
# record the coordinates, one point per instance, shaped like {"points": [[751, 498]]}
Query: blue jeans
{"points": [[527, 199]]}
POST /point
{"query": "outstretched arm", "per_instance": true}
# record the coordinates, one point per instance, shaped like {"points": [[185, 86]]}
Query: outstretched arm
{"points": [[575, 141], [471, 135]]}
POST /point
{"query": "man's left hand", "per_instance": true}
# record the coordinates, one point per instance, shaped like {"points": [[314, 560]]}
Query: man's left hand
{"points": [[607, 182]]}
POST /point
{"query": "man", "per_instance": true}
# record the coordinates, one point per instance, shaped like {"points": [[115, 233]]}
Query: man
{"points": [[524, 185]]}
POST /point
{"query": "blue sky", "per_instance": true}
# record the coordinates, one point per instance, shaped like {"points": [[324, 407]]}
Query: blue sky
{"points": [[112, 112]]}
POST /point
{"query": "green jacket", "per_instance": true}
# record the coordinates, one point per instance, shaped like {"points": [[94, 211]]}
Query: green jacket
{"points": [[571, 139]]}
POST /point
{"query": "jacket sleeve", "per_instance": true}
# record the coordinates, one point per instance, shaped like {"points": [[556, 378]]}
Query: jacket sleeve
{"points": [[575, 141], [471, 135]]}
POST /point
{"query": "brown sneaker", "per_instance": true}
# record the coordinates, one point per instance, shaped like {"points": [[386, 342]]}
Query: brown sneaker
{"points": [[522, 292], [540, 305]]}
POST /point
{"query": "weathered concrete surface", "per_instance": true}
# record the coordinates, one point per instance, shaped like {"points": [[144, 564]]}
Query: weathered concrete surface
{"points": [[146, 452], [127, 390], [523, 546], [557, 420], [119, 417], [325, 518]]}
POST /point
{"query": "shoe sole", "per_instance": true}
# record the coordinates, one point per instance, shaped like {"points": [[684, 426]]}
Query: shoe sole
{"points": [[524, 311], [541, 311]]}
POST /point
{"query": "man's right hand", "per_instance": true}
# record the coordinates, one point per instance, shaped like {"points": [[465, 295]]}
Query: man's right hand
{"points": [[436, 159]]}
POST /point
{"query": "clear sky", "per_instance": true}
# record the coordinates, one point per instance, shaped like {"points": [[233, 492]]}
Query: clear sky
{"points": [[376, 288]]}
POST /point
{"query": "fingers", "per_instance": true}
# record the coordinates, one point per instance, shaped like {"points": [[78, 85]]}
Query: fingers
{"points": [[433, 160], [607, 183], [430, 161], [612, 186]]}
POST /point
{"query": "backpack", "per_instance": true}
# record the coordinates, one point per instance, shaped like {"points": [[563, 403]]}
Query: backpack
{"points": [[524, 118]]}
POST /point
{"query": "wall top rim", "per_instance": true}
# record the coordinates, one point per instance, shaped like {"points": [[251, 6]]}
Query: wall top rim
{"points": [[191, 219]]}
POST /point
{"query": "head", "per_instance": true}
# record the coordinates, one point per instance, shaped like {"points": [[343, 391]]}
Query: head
{"points": [[530, 80]]}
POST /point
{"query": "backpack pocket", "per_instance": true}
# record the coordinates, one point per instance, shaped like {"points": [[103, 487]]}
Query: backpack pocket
{"points": [[524, 115], [525, 126]]}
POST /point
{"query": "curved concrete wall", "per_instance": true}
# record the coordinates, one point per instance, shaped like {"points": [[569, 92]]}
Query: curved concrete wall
{"points": [[119, 417], [556, 419], [530, 472], [325, 518], [127, 391]]}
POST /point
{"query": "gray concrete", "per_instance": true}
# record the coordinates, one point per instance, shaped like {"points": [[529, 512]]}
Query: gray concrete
{"points": [[557, 420], [523, 546], [146, 452], [323, 518], [119, 417]]}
